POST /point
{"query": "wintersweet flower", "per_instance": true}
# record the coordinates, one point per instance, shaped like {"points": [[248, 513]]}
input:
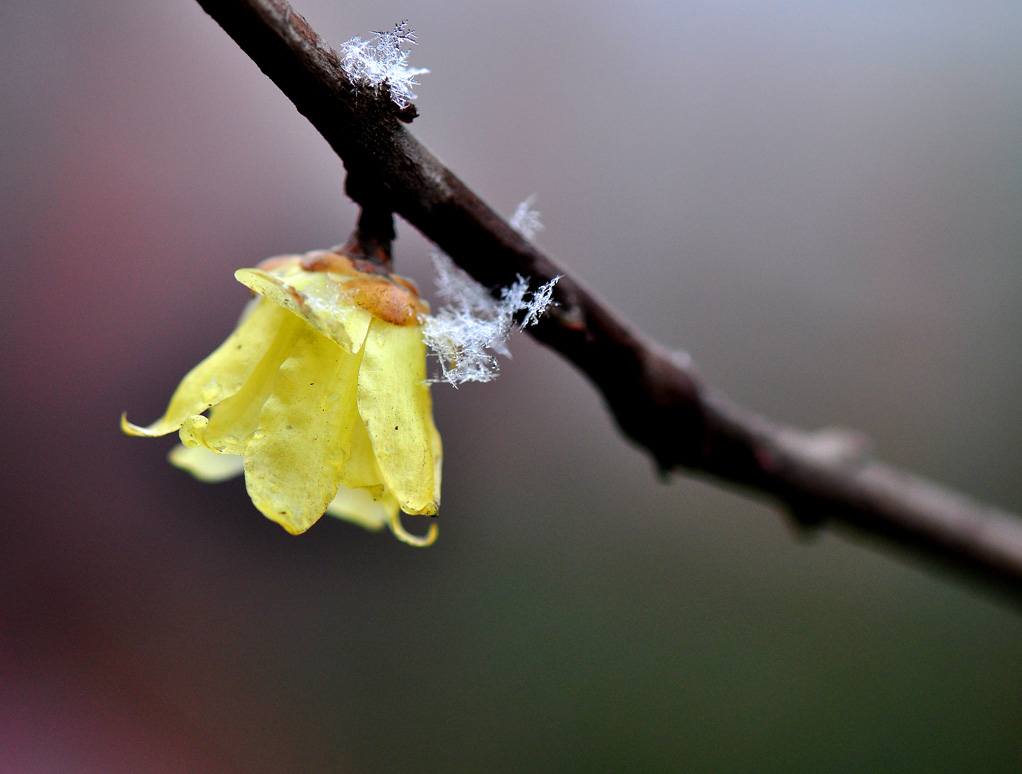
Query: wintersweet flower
{"points": [[319, 396]]}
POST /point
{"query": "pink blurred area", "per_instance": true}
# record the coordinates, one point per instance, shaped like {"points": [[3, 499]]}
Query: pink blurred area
{"points": [[820, 202]]}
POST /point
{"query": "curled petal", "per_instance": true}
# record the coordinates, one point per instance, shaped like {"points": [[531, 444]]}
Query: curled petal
{"points": [[406, 537], [193, 432], [233, 420], [413, 540], [207, 465], [218, 376], [295, 461], [315, 297], [360, 507]]}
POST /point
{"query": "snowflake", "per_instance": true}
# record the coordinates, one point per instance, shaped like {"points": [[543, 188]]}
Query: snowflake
{"points": [[382, 60], [526, 220], [466, 334]]}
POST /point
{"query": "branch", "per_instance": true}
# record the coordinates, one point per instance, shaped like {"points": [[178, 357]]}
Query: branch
{"points": [[656, 396]]}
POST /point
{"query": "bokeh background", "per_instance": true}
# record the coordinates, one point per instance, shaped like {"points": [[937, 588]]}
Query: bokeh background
{"points": [[820, 201]]}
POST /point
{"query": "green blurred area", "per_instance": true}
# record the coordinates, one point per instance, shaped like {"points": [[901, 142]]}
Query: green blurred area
{"points": [[819, 202]]}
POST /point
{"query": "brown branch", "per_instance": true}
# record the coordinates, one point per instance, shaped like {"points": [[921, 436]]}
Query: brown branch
{"points": [[656, 396]]}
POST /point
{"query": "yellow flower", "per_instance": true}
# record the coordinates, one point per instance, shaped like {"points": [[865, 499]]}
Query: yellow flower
{"points": [[319, 395]]}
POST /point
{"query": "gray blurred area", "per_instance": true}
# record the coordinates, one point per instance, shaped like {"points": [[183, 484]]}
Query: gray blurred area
{"points": [[820, 202]]}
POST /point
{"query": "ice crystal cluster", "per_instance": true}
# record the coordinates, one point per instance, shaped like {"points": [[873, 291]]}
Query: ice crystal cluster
{"points": [[526, 220], [469, 332], [383, 60]]}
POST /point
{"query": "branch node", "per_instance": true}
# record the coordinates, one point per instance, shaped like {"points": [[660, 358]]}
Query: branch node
{"points": [[369, 245]]}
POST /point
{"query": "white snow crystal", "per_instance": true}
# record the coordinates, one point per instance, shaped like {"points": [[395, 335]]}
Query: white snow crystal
{"points": [[466, 334], [380, 60], [526, 220]]}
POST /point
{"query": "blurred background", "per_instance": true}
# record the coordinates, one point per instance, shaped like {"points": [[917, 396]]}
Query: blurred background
{"points": [[819, 201]]}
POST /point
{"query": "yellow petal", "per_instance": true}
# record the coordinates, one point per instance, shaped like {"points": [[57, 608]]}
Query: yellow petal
{"points": [[206, 465], [234, 419], [393, 399], [362, 470], [436, 446], [359, 506], [294, 462], [193, 431], [220, 375], [315, 297]]}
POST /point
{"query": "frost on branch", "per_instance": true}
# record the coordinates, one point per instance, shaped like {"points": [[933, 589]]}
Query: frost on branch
{"points": [[382, 60], [468, 333]]}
